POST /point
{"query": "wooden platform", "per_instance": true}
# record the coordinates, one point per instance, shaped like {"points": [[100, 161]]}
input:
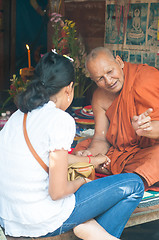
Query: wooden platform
{"points": [[139, 216], [143, 215]]}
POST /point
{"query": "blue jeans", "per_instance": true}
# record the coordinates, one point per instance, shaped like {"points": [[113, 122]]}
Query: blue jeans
{"points": [[110, 200]]}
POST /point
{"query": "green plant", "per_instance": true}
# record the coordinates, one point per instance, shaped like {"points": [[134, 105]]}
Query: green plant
{"points": [[76, 51], [56, 20], [66, 40], [17, 85]]}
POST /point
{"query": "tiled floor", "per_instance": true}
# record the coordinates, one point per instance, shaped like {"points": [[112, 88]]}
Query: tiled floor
{"points": [[147, 231]]}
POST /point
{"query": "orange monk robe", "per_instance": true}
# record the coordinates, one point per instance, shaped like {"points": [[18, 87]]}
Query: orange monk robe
{"points": [[129, 152]]}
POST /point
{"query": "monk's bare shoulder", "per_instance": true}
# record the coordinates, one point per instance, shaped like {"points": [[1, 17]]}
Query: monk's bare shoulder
{"points": [[102, 99]]}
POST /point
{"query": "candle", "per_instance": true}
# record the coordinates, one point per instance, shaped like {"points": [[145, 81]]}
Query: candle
{"points": [[29, 59]]}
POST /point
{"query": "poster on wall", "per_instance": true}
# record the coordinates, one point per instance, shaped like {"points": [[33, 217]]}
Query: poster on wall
{"points": [[131, 28]]}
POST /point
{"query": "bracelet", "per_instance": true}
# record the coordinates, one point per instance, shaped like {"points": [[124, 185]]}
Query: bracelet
{"points": [[89, 156]]}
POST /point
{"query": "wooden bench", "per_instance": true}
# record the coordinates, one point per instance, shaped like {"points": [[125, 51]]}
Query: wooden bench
{"points": [[139, 216]]}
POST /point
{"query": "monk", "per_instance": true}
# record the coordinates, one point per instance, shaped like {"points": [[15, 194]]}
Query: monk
{"points": [[126, 111]]}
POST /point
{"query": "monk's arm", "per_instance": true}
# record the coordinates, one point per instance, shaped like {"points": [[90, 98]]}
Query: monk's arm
{"points": [[99, 142], [146, 127]]}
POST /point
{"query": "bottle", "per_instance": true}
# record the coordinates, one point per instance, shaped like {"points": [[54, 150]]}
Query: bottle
{"points": [[3, 120], [8, 113]]}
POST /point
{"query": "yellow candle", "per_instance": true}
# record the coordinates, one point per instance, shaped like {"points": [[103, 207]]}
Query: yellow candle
{"points": [[29, 59]]}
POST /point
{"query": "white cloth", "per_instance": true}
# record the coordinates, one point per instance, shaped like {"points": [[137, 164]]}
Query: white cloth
{"points": [[26, 208]]}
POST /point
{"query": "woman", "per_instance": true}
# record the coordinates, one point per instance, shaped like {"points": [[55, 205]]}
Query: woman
{"points": [[34, 203]]}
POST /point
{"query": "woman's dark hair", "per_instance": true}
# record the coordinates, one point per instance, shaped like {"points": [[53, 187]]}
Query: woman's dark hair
{"points": [[52, 73]]}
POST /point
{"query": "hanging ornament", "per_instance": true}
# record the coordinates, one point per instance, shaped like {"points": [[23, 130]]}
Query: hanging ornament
{"points": [[122, 6], [55, 5], [158, 30]]}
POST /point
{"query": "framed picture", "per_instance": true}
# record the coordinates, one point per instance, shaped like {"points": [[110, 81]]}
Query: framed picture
{"points": [[131, 29]]}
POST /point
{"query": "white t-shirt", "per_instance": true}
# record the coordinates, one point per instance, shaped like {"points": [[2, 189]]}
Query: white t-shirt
{"points": [[26, 208]]}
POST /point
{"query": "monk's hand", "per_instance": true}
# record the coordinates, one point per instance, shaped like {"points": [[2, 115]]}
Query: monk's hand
{"points": [[142, 123], [102, 170]]}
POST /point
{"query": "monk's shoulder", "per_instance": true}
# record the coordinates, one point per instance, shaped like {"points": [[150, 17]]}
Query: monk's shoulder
{"points": [[102, 98]]}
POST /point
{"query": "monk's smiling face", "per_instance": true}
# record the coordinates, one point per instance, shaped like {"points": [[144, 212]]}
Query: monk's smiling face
{"points": [[107, 72]]}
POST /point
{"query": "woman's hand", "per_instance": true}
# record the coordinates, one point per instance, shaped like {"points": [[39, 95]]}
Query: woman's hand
{"points": [[100, 160], [59, 186]]}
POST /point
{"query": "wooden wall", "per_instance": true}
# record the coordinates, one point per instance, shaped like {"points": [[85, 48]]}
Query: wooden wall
{"points": [[89, 17], [1, 43], [7, 42]]}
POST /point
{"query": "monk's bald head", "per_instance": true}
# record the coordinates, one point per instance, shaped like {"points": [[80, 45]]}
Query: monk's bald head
{"points": [[96, 51], [105, 70]]}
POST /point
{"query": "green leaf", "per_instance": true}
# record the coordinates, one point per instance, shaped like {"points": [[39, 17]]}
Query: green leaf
{"points": [[5, 103]]}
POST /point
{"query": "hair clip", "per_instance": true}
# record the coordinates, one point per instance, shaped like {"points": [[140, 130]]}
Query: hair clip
{"points": [[54, 51], [43, 83], [69, 58]]}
